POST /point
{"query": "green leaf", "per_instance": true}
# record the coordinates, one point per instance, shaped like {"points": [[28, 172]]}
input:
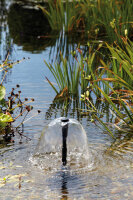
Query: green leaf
{"points": [[3, 103], [51, 85], [2, 92], [5, 118]]}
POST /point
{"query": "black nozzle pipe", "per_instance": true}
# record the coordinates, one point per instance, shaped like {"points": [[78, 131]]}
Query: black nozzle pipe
{"points": [[64, 141]]}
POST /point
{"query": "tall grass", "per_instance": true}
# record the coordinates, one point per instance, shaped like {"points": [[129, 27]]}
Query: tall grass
{"points": [[66, 76], [110, 18], [116, 79], [110, 82], [123, 60], [70, 75], [62, 16]]}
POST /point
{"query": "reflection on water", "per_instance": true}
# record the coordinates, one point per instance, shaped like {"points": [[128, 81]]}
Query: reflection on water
{"points": [[108, 175], [65, 183], [25, 25], [29, 28], [105, 174], [5, 40], [123, 146]]}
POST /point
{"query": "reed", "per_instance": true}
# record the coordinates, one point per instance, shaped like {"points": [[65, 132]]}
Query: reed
{"points": [[116, 85], [110, 82], [101, 18], [122, 60], [110, 18], [70, 75], [62, 15]]}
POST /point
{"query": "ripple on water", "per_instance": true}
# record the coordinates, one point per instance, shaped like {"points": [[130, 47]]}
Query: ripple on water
{"points": [[77, 162]]}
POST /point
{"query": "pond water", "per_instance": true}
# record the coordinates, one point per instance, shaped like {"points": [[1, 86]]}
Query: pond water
{"points": [[107, 172]]}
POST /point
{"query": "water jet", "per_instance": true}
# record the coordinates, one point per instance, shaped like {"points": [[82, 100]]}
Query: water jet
{"points": [[62, 138]]}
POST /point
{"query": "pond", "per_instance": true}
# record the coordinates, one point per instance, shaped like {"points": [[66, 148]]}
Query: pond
{"points": [[107, 174]]}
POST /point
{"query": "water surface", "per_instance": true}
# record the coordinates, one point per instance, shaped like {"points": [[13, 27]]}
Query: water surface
{"points": [[107, 172]]}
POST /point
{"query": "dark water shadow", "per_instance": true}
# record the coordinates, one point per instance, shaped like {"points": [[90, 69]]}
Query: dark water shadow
{"points": [[26, 24], [66, 183]]}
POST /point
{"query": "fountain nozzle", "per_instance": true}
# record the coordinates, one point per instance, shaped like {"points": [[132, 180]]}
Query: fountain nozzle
{"points": [[64, 119], [64, 143]]}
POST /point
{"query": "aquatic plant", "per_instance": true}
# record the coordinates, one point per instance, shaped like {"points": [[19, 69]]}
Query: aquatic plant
{"points": [[62, 15], [5, 116], [70, 76], [116, 86], [108, 18], [66, 76], [122, 60], [11, 106], [110, 82]]}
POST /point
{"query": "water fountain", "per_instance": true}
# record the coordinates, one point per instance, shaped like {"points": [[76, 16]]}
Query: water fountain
{"points": [[62, 153], [63, 139]]}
